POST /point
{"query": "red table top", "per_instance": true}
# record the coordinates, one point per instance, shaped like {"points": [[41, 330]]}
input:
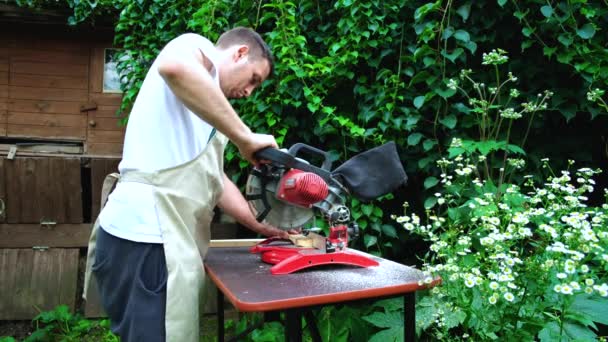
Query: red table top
{"points": [[247, 282]]}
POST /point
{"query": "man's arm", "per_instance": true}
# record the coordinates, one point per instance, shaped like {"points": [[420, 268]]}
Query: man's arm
{"points": [[193, 85], [234, 204]]}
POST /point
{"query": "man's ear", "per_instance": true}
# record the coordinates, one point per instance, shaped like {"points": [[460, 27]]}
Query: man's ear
{"points": [[241, 52]]}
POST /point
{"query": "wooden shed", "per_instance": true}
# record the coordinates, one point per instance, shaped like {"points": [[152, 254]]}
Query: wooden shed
{"points": [[59, 136]]}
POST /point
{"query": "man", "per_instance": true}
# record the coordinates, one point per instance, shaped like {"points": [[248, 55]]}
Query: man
{"points": [[147, 256]]}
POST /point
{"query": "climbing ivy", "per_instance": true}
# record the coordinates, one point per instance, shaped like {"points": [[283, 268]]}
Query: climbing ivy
{"points": [[351, 75]]}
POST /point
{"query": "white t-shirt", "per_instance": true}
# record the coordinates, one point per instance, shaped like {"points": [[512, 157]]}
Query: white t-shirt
{"points": [[161, 133]]}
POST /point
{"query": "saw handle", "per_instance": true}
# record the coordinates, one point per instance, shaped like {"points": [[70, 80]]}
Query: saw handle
{"points": [[289, 159], [293, 150]]}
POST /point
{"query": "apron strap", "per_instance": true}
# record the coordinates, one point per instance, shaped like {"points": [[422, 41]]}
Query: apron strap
{"points": [[108, 185]]}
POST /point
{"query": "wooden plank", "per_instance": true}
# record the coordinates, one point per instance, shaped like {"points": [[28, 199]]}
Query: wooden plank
{"points": [[105, 149], [99, 169], [72, 56], [22, 235], [46, 81], [38, 93], [43, 189], [96, 69], [234, 242], [2, 192], [4, 64], [104, 123], [106, 113], [50, 120], [104, 136], [3, 78], [3, 116], [42, 106], [106, 99], [3, 91], [36, 131], [44, 148], [76, 46], [37, 280], [57, 69]]}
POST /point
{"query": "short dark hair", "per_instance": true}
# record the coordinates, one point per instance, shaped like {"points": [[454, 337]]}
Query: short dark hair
{"points": [[246, 36]]}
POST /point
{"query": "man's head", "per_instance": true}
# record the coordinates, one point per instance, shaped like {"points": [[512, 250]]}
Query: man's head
{"points": [[246, 62]]}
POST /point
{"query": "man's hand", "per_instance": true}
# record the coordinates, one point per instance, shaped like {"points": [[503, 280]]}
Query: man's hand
{"points": [[254, 142], [270, 231]]}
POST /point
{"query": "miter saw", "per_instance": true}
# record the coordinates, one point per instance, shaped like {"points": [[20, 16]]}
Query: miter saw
{"points": [[287, 191]]}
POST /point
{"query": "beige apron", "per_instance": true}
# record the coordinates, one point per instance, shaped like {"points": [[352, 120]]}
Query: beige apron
{"points": [[185, 196]]}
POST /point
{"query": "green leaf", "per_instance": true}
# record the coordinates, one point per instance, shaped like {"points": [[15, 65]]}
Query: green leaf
{"points": [[548, 51], [430, 182], [471, 46], [429, 144], [385, 319], [369, 240], [430, 202], [547, 11], [414, 139], [516, 149], [527, 31], [565, 39], [418, 101], [367, 209], [392, 334], [501, 2], [578, 332], [449, 121], [586, 32], [389, 230], [453, 55], [462, 36], [445, 93], [464, 11], [594, 306]]}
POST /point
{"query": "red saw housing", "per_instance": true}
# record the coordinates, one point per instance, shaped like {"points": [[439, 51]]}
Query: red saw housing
{"points": [[302, 188]]}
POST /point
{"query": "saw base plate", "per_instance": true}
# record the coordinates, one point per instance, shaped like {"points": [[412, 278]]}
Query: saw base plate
{"points": [[288, 258]]}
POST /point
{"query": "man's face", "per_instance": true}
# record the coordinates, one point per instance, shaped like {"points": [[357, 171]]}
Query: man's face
{"points": [[240, 76]]}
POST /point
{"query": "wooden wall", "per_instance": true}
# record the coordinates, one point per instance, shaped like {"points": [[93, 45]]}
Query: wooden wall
{"points": [[51, 95], [51, 88]]}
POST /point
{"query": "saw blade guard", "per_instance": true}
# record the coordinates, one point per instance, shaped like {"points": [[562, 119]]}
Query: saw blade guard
{"points": [[285, 192]]}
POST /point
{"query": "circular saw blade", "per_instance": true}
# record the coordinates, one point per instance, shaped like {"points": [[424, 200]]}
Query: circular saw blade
{"points": [[282, 215]]}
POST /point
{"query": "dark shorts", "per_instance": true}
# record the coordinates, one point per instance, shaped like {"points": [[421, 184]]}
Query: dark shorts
{"points": [[132, 282]]}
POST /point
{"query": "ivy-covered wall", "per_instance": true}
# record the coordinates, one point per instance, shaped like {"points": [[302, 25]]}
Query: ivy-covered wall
{"points": [[351, 75]]}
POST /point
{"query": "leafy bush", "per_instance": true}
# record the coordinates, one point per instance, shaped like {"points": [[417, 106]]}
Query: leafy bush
{"points": [[517, 262], [61, 325]]}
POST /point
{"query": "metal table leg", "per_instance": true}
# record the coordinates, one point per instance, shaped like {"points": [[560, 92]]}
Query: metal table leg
{"points": [[293, 325], [409, 316], [220, 316]]}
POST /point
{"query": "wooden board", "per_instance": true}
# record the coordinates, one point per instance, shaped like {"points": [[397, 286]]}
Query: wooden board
{"points": [[43, 189], [105, 149], [36, 280], [2, 192], [29, 235], [96, 68], [2, 122], [73, 56], [43, 106], [55, 82], [99, 169], [52, 94], [36, 131], [95, 136], [47, 120], [57, 69], [3, 78]]}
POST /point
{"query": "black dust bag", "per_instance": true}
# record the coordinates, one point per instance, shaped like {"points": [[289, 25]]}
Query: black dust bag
{"points": [[373, 173]]}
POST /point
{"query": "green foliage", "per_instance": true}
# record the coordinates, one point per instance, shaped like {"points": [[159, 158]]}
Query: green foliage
{"points": [[517, 262], [62, 325]]}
